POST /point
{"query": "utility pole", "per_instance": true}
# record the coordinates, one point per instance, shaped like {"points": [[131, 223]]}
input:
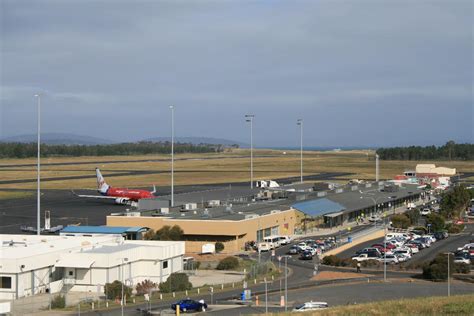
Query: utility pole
{"points": [[300, 123], [249, 118], [376, 168]]}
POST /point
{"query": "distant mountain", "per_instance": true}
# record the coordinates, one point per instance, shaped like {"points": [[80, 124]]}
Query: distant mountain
{"points": [[198, 140], [57, 139]]}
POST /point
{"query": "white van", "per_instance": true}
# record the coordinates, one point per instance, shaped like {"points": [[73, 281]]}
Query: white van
{"points": [[285, 240], [264, 246], [274, 241]]}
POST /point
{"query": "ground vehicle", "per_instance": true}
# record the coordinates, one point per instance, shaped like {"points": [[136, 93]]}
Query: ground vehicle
{"points": [[293, 250], [285, 240], [312, 250], [306, 255], [467, 247], [370, 251], [190, 305], [425, 212], [302, 246], [414, 248], [264, 246], [462, 258], [389, 259], [310, 306], [406, 252], [364, 257], [273, 240]]}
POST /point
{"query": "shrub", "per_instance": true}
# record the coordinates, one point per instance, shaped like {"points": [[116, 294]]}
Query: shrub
{"points": [[59, 301], [228, 263], [421, 229], [114, 290], [176, 282], [455, 229], [331, 260], [437, 269], [400, 221], [219, 246], [145, 287], [370, 263], [462, 268]]}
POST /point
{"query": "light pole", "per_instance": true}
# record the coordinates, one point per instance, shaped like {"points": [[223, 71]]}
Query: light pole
{"points": [[121, 276], [300, 123], [38, 210], [286, 283], [385, 250], [172, 155], [249, 118], [449, 283]]}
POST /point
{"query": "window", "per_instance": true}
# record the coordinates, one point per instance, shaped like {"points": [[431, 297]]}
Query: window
{"points": [[71, 273], [5, 282], [165, 264]]}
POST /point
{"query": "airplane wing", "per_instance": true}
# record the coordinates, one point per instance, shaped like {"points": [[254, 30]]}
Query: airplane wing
{"points": [[96, 196]]}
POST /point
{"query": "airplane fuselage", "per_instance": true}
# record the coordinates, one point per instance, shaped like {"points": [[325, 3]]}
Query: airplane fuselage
{"points": [[132, 195]]}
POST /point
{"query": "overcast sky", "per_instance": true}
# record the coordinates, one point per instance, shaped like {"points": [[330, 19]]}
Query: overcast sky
{"points": [[360, 73]]}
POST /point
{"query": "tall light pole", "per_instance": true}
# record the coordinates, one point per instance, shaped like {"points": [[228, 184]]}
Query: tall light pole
{"points": [[38, 210], [249, 118], [286, 283], [300, 123], [449, 283], [172, 155], [377, 168]]}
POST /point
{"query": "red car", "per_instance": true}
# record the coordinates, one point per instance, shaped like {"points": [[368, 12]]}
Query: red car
{"points": [[387, 245]]}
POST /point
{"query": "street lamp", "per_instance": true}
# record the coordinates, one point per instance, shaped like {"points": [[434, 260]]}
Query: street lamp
{"points": [[249, 118], [38, 210], [121, 300], [300, 123], [172, 155], [449, 283], [286, 283]]}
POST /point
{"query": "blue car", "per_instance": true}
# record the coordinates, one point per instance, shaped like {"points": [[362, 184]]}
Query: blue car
{"points": [[190, 305]]}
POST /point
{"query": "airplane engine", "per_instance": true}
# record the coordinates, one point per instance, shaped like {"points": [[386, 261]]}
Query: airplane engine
{"points": [[123, 201]]}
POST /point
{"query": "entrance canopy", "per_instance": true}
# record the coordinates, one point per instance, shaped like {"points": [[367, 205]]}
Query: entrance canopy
{"points": [[318, 207]]}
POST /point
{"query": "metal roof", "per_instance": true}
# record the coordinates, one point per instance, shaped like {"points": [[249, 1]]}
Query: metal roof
{"points": [[318, 207], [102, 229]]}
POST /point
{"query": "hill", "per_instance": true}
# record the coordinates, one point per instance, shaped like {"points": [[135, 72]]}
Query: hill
{"points": [[57, 139], [198, 140]]}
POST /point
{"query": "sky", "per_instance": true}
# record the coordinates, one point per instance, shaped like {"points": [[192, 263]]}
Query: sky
{"points": [[359, 73]]}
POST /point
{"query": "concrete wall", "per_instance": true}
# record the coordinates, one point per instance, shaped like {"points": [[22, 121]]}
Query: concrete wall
{"points": [[233, 234]]}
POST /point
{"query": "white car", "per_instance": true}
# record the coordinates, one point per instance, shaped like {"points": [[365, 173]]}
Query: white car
{"points": [[403, 251], [389, 259], [425, 212], [285, 240], [312, 250], [462, 259], [310, 306], [302, 246]]}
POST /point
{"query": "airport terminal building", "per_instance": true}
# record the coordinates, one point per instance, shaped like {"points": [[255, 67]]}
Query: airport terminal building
{"points": [[237, 216]]}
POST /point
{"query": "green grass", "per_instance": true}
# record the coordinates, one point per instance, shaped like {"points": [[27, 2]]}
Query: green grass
{"points": [[14, 194]]}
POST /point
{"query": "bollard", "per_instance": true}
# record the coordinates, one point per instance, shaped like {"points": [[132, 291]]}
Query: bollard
{"points": [[254, 281], [107, 304], [368, 280], [133, 300], [233, 285], [273, 278], [92, 306], [161, 296], [256, 300], [282, 301], [198, 291], [222, 286], [186, 292], [174, 294], [178, 309]]}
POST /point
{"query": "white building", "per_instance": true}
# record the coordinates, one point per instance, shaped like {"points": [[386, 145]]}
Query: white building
{"points": [[38, 264]]}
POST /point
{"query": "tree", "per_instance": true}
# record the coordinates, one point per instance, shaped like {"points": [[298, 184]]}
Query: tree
{"points": [[437, 269], [145, 287], [400, 221], [176, 282], [414, 216], [114, 290], [454, 201], [219, 246], [165, 233], [437, 222]]}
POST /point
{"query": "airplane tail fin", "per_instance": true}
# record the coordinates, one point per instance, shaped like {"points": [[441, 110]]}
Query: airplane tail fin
{"points": [[102, 186]]}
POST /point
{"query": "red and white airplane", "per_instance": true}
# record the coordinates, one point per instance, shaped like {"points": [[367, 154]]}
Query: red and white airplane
{"points": [[120, 195]]}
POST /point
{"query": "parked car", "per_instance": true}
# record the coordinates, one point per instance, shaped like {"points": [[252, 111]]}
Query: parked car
{"points": [[294, 250], [190, 305], [365, 257], [413, 248], [463, 258], [369, 250], [284, 240], [264, 246], [425, 212], [310, 306], [306, 255], [389, 259]]}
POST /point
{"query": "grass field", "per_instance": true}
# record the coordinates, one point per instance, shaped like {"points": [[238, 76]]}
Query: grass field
{"points": [[231, 166], [454, 305]]}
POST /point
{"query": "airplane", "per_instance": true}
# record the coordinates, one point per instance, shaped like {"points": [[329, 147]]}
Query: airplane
{"points": [[120, 195]]}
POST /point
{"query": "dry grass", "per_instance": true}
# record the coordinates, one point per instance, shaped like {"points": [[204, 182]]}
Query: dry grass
{"points": [[231, 166], [454, 305]]}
